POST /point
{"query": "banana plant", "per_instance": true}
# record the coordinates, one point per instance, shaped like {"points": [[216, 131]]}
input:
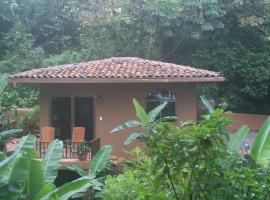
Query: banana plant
{"points": [[23, 176], [224, 133], [146, 122], [237, 138], [260, 149], [6, 134], [96, 165]]}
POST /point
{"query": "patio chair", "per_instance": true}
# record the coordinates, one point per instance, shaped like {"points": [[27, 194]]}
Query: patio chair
{"points": [[78, 134], [77, 138], [46, 137], [47, 134]]}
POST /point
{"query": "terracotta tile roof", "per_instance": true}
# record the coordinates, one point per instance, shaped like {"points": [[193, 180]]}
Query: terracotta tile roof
{"points": [[118, 68]]}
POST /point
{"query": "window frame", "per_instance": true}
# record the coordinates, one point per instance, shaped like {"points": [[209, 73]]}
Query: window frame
{"points": [[160, 101]]}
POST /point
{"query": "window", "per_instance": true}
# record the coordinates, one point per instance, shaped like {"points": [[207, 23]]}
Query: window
{"points": [[157, 97]]}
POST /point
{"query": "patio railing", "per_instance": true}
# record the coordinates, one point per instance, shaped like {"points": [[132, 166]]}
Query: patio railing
{"points": [[70, 150]]}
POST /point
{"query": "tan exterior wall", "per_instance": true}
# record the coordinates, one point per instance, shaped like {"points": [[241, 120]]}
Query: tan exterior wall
{"points": [[116, 105], [254, 122]]}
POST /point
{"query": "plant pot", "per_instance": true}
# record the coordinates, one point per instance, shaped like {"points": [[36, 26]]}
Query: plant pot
{"points": [[82, 156]]}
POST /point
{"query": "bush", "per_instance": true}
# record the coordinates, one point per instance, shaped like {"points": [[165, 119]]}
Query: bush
{"points": [[192, 161], [30, 121]]}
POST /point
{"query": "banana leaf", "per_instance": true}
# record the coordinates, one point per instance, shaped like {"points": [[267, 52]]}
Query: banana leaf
{"points": [[132, 137], [44, 191], [19, 179], [238, 138], [26, 142], [128, 124], [140, 112], [77, 169], [9, 133], [52, 160], [3, 82], [152, 115], [207, 104], [7, 166], [100, 160], [69, 189], [36, 179], [260, 149]]}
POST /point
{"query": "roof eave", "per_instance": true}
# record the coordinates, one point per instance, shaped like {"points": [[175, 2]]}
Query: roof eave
{"points": [[15, 81]]}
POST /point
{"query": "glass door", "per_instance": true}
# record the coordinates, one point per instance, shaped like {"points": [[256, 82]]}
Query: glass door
{"points": [[84, 115], [69, 112], [61, 117]]}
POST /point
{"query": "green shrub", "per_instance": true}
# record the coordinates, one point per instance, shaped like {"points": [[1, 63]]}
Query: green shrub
{"points": [[30, 121], [192, 161]]}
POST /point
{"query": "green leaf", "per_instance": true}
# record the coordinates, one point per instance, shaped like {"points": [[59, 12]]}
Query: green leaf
{"points": [[44, 191], [131, 138], [100, 160], [3, 82], [238, 138], [260, 150], [167, 119], [207, 104], [19, 178], [69, 189], [128, 124], [2, 156], [140, 112], [7, 166], [52, 160], [26, 143], [36, 179], [9, 133], [77, 169], [152, 115]]}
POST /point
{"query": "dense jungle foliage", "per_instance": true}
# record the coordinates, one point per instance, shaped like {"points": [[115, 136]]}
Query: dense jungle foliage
{"points": [[229, 36]]}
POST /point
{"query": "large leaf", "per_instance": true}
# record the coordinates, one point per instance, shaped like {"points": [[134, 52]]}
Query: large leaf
{"points": [[9, 133], [3, 82], [238, 138], [132, 137], [2, 156], [52, 160], [26, 143], [207, 104], [167, 119], [128, 124], [152, 115], [100, 160], [69, 189], [7, 166], [140, 112], [260, 150], [36, 179], [44, 191], [19, 178], [77, 169]]}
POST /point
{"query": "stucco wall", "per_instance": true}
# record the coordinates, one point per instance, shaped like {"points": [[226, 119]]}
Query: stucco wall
{"points": [[116, 105]]}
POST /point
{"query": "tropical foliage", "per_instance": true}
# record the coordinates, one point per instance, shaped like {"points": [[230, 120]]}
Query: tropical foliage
{"points": [[23, 176], [5, 134], [228, 36], [191, 161]]}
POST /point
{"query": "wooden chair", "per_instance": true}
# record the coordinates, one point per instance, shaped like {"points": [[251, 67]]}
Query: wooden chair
{"points": [[46, 137], [47, 134], [78, 134], [77, 138]]}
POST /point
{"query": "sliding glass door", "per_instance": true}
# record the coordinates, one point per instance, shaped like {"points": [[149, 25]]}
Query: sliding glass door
{"points": [[84, 115], [69, 112]]}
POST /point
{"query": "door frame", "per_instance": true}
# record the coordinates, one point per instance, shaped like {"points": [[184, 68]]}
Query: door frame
{"points": [[72, 107]]}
